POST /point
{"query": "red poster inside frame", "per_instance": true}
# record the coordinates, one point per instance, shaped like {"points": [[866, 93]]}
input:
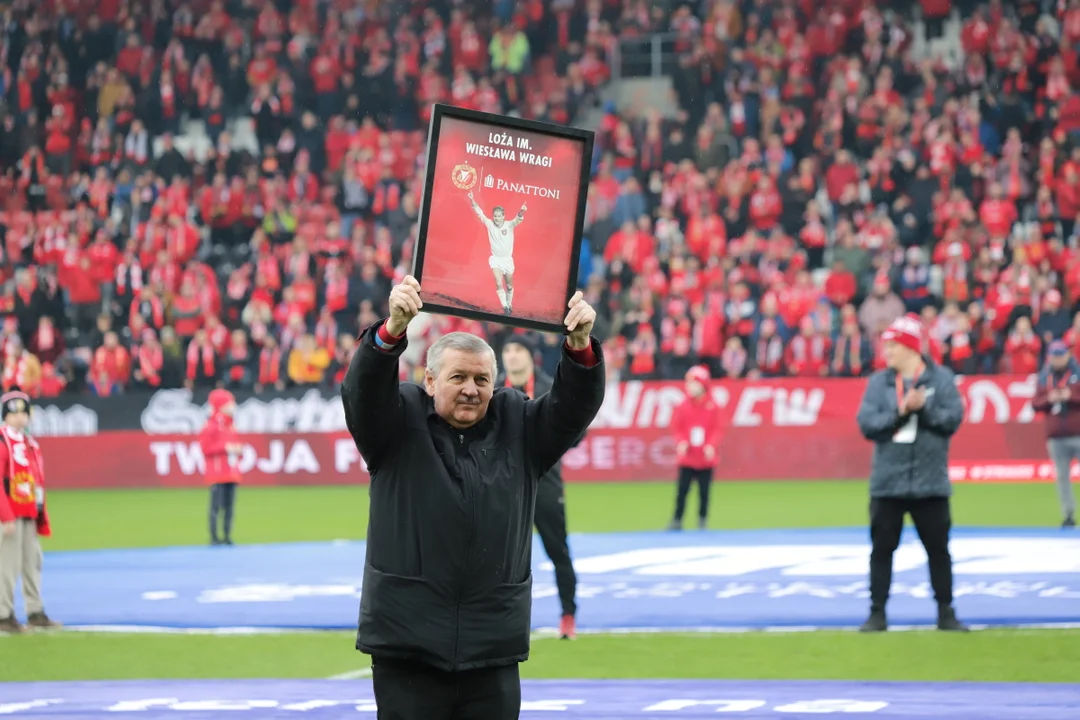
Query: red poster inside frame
{"points": [[502, 217]]}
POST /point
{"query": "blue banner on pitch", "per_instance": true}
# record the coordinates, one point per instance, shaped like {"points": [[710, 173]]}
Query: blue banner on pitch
{"points": [[688, 580], [569, 699]]}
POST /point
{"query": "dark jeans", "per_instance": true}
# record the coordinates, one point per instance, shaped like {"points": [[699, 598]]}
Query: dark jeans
{"points": [[933, 520], [223, 499], [688, 477], [413, 691], [551, 524]]}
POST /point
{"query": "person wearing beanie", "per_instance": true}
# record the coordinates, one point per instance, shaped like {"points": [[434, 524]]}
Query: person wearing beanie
{"points": [[23, 516], [910, 411], [520, 372], [696, 426], [1057, 396], [221, 450]]}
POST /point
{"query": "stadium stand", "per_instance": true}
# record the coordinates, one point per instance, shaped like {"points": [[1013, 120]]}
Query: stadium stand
{"points": [[213, 192]]}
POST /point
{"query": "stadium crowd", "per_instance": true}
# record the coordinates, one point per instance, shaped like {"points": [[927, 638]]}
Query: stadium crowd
{"points": [[814, 178]]}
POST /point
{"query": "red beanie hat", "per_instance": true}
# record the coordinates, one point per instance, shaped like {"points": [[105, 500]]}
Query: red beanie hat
{"points": [[220, 398], [699, 373], [907, 331]]}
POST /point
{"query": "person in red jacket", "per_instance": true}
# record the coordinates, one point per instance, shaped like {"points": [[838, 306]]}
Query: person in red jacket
{"points": [[696, 426], [23, 516], [221, 450]]}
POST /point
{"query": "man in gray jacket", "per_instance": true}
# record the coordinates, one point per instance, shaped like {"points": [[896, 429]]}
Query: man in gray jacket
{"points": [[910, 411]]}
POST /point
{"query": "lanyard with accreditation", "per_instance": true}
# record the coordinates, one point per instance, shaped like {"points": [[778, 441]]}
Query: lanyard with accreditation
{"points": [[905, 435]]}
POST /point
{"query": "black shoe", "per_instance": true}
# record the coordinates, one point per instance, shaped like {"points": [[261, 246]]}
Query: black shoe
{"points": [[41, 621], [11, 626], [675, 525], [214, 542], [228, 541], [875, 623], [1070, 522], [946, 620], [703, 524]]}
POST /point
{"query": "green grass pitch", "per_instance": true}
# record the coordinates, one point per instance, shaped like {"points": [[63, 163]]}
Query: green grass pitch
{"points": [[158, 517]]}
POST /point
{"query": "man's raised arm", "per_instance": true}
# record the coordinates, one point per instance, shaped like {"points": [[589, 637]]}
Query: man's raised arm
{"points": [[374, 413], [556, 421], [476, 208]]}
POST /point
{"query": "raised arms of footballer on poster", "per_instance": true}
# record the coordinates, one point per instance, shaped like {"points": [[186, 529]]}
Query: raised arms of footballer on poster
{"points": [[501, 238]]}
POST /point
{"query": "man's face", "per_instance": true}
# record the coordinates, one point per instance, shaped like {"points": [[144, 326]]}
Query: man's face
{"points": [[497, 216], [516, 358], [463, 387], [1059, 362], [896, 354], [694, 389]]}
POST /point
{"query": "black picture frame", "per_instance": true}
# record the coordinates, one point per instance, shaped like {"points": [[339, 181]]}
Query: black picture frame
{"points": [[502, 122]]}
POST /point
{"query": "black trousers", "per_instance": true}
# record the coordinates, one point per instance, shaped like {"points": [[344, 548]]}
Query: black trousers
{"points": [[933, 520], [414, 691], [223, 500], [551, 525], [687, 477]]}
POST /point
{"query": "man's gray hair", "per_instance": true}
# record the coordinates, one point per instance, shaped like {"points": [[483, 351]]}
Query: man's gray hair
{"points": [[462, 342]]}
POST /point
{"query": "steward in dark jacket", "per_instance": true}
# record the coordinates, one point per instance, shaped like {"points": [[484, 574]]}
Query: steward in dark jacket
{"points": [[910, 411], [521, 373], [454, 472]]}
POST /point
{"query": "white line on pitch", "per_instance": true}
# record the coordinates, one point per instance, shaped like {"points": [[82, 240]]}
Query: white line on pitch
{"points": [[352, 675]]}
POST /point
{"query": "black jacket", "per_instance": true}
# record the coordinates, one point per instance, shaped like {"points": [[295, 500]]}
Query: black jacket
{"points": [[542, 386], [447, 577]]}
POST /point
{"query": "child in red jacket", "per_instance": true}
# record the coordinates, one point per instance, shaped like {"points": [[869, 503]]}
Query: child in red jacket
{"points": [[221, 450], [696, 426]]}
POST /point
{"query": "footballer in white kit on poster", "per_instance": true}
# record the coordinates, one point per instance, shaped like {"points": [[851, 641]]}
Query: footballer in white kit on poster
{"points": [[501, 238]]}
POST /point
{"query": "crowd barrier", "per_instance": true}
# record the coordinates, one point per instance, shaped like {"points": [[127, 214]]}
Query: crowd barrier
{"points": [[792, 429]]}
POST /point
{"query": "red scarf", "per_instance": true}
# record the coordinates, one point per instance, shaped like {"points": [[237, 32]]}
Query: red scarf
{"points": [[15, 372], [770, 353], [269, 366], [25, 473], [150, 361], [326, 333], [337, 294], [193, 353]]}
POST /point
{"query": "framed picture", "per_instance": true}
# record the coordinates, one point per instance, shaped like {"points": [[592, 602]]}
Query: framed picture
{"points": [[501, 218]]}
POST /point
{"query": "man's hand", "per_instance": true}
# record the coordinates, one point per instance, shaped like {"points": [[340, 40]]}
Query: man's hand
{"points": [[8, 528], [521, 212], [470, 195], [405, 304], [710, 453], [579, 321], [915, 400], [681, 448]]}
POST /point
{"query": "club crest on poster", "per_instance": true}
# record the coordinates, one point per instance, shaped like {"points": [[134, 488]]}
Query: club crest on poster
{"points": [[464, 176]]}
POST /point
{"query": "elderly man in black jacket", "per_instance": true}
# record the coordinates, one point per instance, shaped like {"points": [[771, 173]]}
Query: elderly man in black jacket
{"points": [[910, 411], [520, 372], [455, 465]]}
